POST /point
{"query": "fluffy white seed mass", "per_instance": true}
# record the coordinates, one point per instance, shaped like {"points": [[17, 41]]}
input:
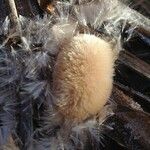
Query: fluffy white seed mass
{"points": [[83, 76]]}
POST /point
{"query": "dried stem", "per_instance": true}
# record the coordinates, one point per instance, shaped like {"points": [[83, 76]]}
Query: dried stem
{"points": [[14, 15], [135, 63]]}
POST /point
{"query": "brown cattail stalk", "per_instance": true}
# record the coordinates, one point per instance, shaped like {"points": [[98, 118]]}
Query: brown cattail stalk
{"points": [[14, 15]]}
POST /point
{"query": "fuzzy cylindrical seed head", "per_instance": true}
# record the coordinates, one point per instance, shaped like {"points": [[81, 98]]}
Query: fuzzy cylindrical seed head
{"points": [[83, 76]]}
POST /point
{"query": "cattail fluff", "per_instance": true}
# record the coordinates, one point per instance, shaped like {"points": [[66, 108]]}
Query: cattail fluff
{"points": [[59, 69], [83, 76]]}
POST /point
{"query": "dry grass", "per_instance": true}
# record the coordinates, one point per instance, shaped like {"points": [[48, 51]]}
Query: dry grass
{"points": [[143, 6]]}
